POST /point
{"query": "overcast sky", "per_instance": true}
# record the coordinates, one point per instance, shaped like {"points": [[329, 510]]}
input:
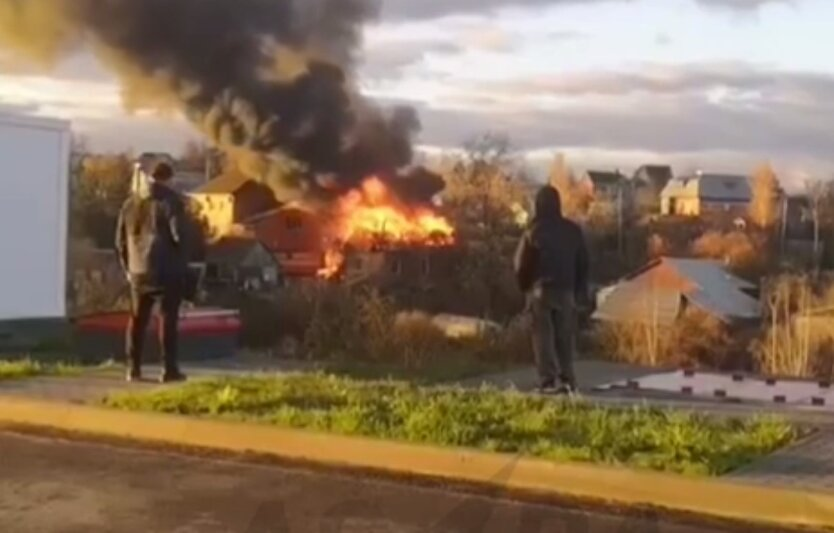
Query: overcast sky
{"points": [[713, 84]]}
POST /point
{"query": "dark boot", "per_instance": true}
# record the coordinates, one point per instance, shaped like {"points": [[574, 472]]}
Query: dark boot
{"points": [[546, 386], [172, 376], [133, 374]]}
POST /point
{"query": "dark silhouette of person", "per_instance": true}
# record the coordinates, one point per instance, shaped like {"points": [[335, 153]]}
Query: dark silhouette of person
{"points": [[551, 266], [150, 240]]}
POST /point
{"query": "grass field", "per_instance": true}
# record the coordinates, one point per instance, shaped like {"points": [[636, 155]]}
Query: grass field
{"points": [[26, 368], [491, 420]]}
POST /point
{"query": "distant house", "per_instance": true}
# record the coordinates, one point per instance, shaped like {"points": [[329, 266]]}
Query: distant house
{"points": [[649, 182], [240, 263], [610, 191], [231, 199], [187, 182], [703, 194], [295, 236], [660, 292], [424, 268]]}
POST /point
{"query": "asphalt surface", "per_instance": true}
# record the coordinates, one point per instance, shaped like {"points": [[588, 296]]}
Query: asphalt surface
{"points": [[55, 485]]}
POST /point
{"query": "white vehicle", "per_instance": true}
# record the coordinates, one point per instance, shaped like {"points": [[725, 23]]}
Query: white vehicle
{"points": [[34, 171]]}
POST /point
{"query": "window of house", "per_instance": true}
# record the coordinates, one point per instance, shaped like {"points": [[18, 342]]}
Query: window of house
{"points": [[396, 267]]}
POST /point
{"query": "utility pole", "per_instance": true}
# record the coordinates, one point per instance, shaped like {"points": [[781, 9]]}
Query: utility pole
{"points": [[783, 230], [620, 243]]}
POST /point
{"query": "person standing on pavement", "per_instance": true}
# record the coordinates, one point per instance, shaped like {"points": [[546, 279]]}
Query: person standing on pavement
{"points": [[551, 266], [150, 241]]}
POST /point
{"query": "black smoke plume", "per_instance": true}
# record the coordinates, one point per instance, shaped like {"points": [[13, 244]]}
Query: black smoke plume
{"points": [[267, 78]]}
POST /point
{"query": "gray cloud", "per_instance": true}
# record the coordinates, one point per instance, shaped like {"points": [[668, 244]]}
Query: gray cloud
{"points": [[760, 114], [429, 9], [388, 58], [740, 82]]}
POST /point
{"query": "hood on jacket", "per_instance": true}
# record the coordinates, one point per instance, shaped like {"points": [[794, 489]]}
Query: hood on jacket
{"points": [[548, 205]]}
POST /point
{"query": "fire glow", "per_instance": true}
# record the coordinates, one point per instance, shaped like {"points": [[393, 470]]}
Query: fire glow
{"points": [[372, 217]]}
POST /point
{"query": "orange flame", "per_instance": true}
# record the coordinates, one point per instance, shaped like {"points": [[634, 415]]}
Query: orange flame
{"points": [[372, 216]]}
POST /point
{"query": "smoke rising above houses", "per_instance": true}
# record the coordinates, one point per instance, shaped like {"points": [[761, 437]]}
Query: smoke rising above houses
{"points": [[266, 79]]}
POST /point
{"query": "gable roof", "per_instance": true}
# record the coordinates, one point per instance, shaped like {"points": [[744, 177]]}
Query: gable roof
{"points": [[721, 187], [604, 177], [225, 184], [657, 292], [233, 249], [658, 176]]}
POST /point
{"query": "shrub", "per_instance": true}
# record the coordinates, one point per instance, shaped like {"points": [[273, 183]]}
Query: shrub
{"points": [[794, 340], [694, 339], [742, 252]]}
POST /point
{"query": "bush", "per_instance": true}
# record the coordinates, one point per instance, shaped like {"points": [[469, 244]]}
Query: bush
{"points": [[742, 252], [695, 339], [345, 326], [795, 341]]}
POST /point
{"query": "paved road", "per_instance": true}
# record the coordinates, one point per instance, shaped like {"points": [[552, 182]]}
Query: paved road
{"points": [[51, 485]]}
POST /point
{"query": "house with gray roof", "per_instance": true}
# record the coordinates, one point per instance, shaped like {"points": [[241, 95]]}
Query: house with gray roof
{"points": [[611, 191], [660, 292], [649, 182], [706, 193]]}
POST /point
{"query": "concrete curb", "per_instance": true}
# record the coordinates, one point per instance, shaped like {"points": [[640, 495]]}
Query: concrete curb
{"points": [[708, 497]]}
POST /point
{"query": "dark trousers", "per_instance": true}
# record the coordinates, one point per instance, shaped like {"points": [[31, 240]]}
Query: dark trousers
{"points": [[142, 304], [554, 334]]}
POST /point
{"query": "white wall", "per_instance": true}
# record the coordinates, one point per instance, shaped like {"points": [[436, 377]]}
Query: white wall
{"points": [[34, 172]]}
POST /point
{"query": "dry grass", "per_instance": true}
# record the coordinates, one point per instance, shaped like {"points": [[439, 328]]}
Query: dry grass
{"points": [[361, 328], [795, 341], [696, 339]]}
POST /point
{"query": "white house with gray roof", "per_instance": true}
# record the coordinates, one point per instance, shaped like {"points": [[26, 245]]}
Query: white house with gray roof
{"points": [[706, 193]]}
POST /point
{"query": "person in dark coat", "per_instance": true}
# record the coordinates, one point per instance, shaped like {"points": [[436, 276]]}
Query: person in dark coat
{"points": [[551, 266], [150, 240]]}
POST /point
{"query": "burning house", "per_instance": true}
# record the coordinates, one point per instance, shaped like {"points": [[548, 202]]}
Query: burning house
{"points": [[293, 233]]}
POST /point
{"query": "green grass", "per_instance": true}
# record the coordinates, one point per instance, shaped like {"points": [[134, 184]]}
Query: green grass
{"points": [[492, 420], [457, 369], [26, 368]]}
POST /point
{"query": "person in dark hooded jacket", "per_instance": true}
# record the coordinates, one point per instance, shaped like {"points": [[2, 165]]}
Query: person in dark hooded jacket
{"points": [[551, 266], [151, 243]]}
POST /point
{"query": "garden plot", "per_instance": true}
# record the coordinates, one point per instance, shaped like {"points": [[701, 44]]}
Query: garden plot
{"points": [[734, 387]]}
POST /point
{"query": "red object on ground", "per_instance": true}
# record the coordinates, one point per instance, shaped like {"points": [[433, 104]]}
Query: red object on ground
{"points": [[204, 334], [203, 321]]}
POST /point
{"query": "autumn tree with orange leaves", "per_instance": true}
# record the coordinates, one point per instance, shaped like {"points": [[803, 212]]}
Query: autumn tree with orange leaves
{"points": [[764, 202], [576, 197]]}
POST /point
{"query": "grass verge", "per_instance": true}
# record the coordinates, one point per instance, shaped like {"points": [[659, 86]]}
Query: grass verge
{"points": [[26, 368], [491, 420]]}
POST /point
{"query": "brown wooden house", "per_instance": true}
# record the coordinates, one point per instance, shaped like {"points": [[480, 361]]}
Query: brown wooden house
{"points": [[295, 236]]}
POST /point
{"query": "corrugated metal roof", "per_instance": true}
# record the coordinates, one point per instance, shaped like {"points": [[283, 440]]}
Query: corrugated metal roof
{"points": [[711, 187], [654, 294], [636, 301], [706, 272]]}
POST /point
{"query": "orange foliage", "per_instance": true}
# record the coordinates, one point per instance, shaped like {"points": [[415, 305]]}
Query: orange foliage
{"points": [[736, 248]]}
